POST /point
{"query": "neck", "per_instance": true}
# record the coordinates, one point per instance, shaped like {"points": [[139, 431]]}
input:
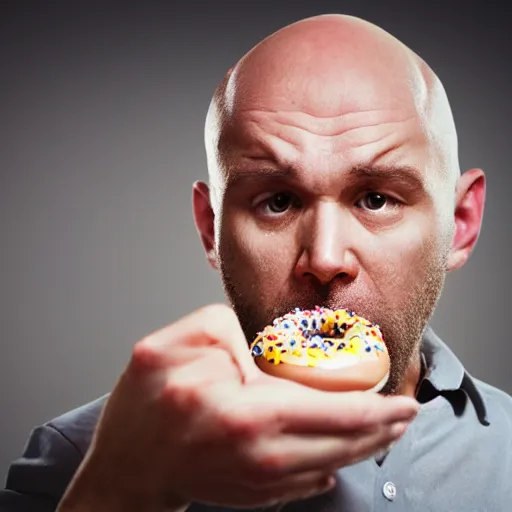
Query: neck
{"points": [[412, 376]]}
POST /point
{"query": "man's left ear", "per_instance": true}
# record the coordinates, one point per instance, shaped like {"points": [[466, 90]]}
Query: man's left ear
{"points": [[469, 210]]}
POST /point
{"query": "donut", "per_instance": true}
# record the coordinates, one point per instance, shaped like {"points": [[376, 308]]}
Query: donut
{"points": [[330, 350]]}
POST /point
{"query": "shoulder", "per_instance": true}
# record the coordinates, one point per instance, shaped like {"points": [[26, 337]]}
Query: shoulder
{"points": [[77, 425], [497, 402], [52, 454]]}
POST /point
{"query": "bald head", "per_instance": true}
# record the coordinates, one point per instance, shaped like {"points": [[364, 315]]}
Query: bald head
{"points": [[328, 68]]}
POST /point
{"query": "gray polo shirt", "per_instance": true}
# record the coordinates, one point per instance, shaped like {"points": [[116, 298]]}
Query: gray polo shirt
{"points": [[456, 456]]}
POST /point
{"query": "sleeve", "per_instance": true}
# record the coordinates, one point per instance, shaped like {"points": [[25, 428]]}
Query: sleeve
{"points": [[37, 480]]}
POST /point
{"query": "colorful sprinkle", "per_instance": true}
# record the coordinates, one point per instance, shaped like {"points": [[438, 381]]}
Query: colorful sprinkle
{"points": [[316, 334]]}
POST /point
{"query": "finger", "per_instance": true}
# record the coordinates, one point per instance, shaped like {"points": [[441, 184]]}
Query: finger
{"points": [[289, 455], [301, 409], [299, 488], [198, 380], [215, 325], [303, 493], [296, 480], [245, 496]]}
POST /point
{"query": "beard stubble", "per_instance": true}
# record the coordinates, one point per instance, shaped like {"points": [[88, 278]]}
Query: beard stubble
{"points": [[402, 325]]}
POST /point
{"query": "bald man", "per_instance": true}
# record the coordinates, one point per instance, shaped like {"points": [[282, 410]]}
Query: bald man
{"points": [[333, 179]]}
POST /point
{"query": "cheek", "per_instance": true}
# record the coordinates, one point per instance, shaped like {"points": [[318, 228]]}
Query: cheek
{"points": [[261, 258], [398, 260]]}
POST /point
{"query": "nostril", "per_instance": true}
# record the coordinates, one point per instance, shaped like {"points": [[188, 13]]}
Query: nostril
{"points": [[327, 278]]}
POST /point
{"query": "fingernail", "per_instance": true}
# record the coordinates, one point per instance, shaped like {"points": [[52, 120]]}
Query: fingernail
{"points": [[331, 482], [384, 451], [397, 429], [407, 401], [409, 407]]}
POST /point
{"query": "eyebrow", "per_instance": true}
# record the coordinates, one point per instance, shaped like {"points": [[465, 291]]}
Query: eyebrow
{"points": [[406, 174], [236, 177], [399, 174]]}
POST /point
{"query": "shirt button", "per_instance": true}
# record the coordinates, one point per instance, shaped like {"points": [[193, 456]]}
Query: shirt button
{"points": [[389, 491]]}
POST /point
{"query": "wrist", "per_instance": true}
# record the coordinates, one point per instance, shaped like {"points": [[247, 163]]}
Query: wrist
{"points": [[93, 490]]}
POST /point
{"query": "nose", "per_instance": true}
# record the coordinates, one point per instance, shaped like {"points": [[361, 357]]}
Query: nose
{"points": [[328, 239]]}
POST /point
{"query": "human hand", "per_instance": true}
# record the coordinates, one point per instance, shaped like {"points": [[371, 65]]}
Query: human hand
{"points": [[193, 419]]}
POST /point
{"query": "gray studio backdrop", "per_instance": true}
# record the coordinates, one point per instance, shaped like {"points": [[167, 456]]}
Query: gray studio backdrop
{"points": [[101, 137]]}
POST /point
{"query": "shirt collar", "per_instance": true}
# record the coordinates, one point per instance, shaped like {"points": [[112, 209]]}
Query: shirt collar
{"points": [[445, 375]]}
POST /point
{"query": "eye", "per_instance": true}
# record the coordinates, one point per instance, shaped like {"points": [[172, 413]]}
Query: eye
{"points": [[280, 202], [374, 201]]}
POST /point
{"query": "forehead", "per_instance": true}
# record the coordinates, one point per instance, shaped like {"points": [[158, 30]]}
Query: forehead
{"points": [[323, 126], [331, 111]]}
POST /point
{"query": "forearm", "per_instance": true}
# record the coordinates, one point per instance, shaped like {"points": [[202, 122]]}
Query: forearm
{"points": [[92, 491], [91, 501]]}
